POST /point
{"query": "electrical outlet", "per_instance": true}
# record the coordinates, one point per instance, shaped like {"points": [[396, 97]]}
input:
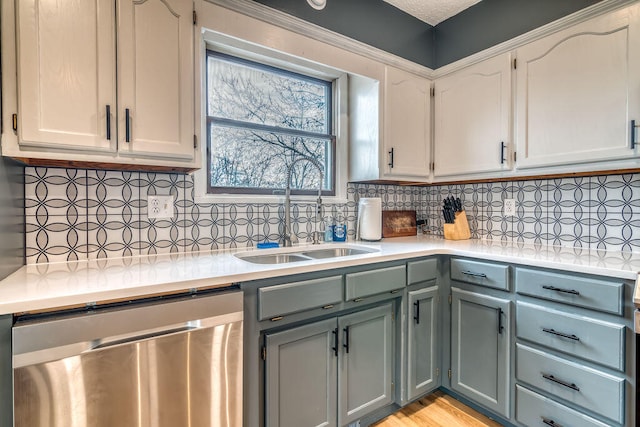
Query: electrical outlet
{"points": [[160, 206], [509, 207]]}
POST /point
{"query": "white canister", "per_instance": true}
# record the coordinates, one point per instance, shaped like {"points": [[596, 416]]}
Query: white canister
{"points": [[370, 218]]}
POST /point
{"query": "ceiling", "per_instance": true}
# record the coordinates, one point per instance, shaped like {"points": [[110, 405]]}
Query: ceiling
{"points": [[432, 11]]}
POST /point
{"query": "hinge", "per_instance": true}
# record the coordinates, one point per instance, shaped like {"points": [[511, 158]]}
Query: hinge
{"points": [[437, 372], [195, 141], [14, 120], [433, 92], [449, 373], [450, 299], [195, 18], [515, 63], [264, 353]]}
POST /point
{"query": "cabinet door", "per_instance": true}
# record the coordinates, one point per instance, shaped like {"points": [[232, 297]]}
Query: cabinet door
{"points": [[422, 338], [577, 92], [301, 376], [155, 78], [365, 368], [407, 118], [66, 74], [472, 115], [480, 346]]}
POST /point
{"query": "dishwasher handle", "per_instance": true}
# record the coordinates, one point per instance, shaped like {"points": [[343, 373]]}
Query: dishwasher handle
{"points": [[100, 344]]}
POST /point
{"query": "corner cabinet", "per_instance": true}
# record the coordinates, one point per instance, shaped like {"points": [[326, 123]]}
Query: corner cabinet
{"points": [[107, 81], [407, 130], [480, 349], [328, 372], [578, 91], [472, 110]]}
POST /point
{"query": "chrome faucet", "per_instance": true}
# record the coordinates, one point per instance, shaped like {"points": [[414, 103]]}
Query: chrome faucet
{"points": [[289, 237]]}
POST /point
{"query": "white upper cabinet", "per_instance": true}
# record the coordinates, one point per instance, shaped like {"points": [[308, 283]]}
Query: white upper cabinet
{"points": [[577, 92], [66, 68], [407, 130], [155, 77], [472, 111]]}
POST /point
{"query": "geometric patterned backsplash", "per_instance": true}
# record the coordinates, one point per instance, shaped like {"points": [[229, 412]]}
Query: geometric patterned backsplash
{"points": [[77, 214]]}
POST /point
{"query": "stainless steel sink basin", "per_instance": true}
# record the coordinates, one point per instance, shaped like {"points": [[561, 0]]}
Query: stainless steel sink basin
{"points": [[274, 258], [335, 252], [287, 255]]}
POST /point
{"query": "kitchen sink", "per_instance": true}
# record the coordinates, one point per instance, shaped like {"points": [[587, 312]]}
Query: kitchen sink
{"points": [[287, 255]]}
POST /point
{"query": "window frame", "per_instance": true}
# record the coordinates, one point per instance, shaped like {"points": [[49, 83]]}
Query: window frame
{"points": [[330, 173]]}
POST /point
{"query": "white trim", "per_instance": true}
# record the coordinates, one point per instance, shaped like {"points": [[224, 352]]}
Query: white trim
{"points": [[533, 35], [316, 32]]}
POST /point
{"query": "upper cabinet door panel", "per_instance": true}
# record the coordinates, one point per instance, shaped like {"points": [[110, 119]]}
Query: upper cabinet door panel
{"points": [[577, 92], [156, 77], [472, 116], [66, 73], [407, 118]]}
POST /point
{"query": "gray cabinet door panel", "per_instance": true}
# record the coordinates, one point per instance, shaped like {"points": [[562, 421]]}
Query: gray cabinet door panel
{"points": [[480, 273], [580, 336], [422, 341], [301, 376], [365, 365], [598, 294], [533, 409], [422, 271], [374, 282], [583, 386], [298, 296], [480, 349]]}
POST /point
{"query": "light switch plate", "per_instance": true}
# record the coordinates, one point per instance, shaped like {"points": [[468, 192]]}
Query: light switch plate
{"points": [[509, 207], [160, 206]]}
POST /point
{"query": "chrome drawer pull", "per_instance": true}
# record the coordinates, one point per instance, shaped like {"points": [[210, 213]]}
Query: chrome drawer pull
{"points": [[566, 291], [472, 274], [276, 319], [572, 386], [560, 334], [550, 422], [327, 307]]}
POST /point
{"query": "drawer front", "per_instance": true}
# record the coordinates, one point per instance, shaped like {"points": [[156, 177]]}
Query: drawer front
{"points": [[373, 282], [275, 301], [586, 387], [580, 336], [533, 409], [422, 271], [597, 294], [480, 273]]}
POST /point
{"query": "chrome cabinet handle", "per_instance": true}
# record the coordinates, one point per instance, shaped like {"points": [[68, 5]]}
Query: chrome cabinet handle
{"points": [[560, 334], [566, 291], [551, 378], [472, 274]]}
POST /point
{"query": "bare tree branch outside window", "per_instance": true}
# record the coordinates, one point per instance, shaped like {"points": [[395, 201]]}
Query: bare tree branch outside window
{"points": [[259, 120]]}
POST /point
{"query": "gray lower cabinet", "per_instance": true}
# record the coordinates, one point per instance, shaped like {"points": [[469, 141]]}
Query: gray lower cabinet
{"points": [[331, 372], [422, 341], [480, 343]]}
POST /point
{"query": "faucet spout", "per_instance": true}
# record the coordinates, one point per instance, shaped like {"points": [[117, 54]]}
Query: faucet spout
{"points": [[289, 237]]}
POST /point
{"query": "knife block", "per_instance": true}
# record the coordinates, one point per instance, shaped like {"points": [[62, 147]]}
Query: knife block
{"points": [[459, 230]]}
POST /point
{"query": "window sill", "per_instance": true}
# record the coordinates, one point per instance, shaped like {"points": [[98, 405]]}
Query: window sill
{"points": [[227, 199]]}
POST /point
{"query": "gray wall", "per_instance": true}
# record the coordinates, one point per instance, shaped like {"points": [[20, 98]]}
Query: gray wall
{"points": [[483, 25], [490, 22], [373, 22], [12, 231]]}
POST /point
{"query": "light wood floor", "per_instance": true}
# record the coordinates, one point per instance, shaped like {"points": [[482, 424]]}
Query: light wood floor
{"points": [[437, 410]]}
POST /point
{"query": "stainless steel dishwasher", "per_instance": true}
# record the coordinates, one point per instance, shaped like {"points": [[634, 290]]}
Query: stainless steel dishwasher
{"points": [[170, 363]]}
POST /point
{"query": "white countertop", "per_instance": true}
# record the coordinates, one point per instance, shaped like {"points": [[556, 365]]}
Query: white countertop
{"points": [[44, 286]]}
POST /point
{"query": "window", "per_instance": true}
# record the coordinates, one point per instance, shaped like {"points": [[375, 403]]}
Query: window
{"points": [[260, 119]]}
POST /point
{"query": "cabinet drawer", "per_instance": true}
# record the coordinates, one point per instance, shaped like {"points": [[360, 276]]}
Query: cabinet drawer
{"points": [[289, 298], [597, 294], [480, 273], [533, 409], [373, 282], [580, 336], [586, 387], [422, 271]]}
